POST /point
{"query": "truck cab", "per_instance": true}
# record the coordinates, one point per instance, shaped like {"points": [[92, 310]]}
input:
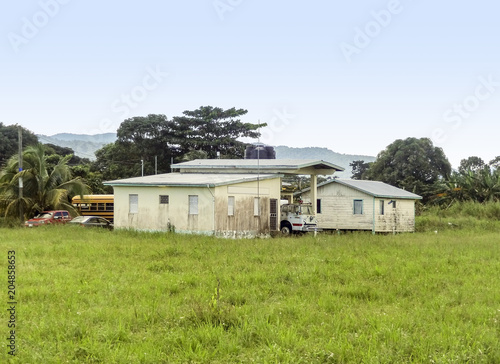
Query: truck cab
{"points": [[297, 218]]}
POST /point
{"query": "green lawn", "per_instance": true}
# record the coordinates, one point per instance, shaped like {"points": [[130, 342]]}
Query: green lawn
{"points": [[87, 296]]}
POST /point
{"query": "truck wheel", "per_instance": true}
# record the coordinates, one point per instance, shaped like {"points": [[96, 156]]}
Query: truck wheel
{"points": [[286, 229]]}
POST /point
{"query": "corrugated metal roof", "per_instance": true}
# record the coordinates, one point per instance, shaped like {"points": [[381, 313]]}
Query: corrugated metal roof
{"points": [[190, 179], [263, 164], [373, 188]]}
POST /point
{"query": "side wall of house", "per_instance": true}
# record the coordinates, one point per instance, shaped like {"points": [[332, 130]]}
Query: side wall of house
{"points": [[153, 215], [400, 218], [337, 210], [243, 219]]}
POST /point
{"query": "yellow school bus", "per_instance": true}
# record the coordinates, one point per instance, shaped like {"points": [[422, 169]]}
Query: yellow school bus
{"points": [[95, 205]]}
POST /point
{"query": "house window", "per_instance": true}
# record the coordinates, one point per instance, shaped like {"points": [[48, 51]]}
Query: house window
{"points": [[230, 206], [256, 206], [133, 204], [382, 205], [193, 204], [358, 207], [393, 204], [163, 199], [318, 206]]}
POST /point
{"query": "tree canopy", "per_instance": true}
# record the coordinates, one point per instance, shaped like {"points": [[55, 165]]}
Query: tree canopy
{"points": [[473, 164], [45, 187], [9, 142], [412, 164], [204, 132], [474, 181], [359, 168], [212, 129]]}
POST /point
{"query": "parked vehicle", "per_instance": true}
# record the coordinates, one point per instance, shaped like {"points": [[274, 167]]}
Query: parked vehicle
{"points": [[92, 221], [49, 217], [297, 218], [95, 205]]}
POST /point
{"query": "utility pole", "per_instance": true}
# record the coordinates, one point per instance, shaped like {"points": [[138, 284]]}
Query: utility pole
{"points": [[20, 152], [142, 167]]}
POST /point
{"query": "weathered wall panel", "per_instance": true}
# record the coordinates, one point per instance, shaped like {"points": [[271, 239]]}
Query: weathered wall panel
{"points": [[212, 208], [337, 211]]}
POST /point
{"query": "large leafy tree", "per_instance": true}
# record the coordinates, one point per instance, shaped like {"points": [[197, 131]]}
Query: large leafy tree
{"points": [[9, 142], [214, 130], [474, 164], [93, 180], [115, 161], [55, 152], [495, 163], [153, 139], [359, 169], [203, 133], [412, 164], [44, 187]]}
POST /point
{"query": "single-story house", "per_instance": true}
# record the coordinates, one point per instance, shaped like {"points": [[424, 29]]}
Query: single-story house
{"points": [[227, 197], [346, 204], [224, 204], [310, 167]]}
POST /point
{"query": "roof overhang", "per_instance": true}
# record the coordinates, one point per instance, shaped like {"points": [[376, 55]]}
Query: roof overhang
{"points": [[390, 191], [280, 166], [190, 180]]}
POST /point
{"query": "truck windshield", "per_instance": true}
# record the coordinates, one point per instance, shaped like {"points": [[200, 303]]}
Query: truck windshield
{"points": [[306, 210]]}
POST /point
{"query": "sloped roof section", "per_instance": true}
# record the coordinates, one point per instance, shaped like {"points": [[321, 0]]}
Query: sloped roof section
{"points": [[190, 179], [374, 188], [286, 166]]}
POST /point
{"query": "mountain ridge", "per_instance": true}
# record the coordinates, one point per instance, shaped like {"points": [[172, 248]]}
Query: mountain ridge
{"points": [[325, 154], [86, 145]]}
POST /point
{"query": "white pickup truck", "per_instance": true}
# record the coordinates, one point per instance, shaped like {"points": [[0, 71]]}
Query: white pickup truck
{"points": [[297, 218]]}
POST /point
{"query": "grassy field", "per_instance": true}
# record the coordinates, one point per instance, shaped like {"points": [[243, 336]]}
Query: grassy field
{"points": [[88, 296]]}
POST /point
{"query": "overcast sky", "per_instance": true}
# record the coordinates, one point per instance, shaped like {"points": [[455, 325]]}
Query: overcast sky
{"points": [[352, 76]]}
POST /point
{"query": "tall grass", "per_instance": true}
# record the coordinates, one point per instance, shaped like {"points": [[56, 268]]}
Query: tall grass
{"points": [[460, 215], [127, 297]]}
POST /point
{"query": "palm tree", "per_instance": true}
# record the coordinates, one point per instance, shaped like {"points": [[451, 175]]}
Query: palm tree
{"points": [[44, 186], [481, 185]]}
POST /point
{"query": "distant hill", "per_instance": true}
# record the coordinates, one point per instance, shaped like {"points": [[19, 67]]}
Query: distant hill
{"points": [[325, 154], [84, 145], [97, 138]]}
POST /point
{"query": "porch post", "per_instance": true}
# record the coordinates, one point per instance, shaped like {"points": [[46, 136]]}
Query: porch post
{"points": [[314, 192]]}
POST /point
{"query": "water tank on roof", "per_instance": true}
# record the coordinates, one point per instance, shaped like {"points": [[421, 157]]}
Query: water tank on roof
{"points": [[260, 151]]}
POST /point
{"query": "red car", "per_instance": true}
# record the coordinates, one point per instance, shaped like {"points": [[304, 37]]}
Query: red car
{"points": [[49, 217]]}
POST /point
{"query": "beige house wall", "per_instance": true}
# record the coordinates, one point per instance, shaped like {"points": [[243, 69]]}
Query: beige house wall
{"points": [[244, 221], [152, 215], [399, 219], [212, 208], [337, 211]]}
